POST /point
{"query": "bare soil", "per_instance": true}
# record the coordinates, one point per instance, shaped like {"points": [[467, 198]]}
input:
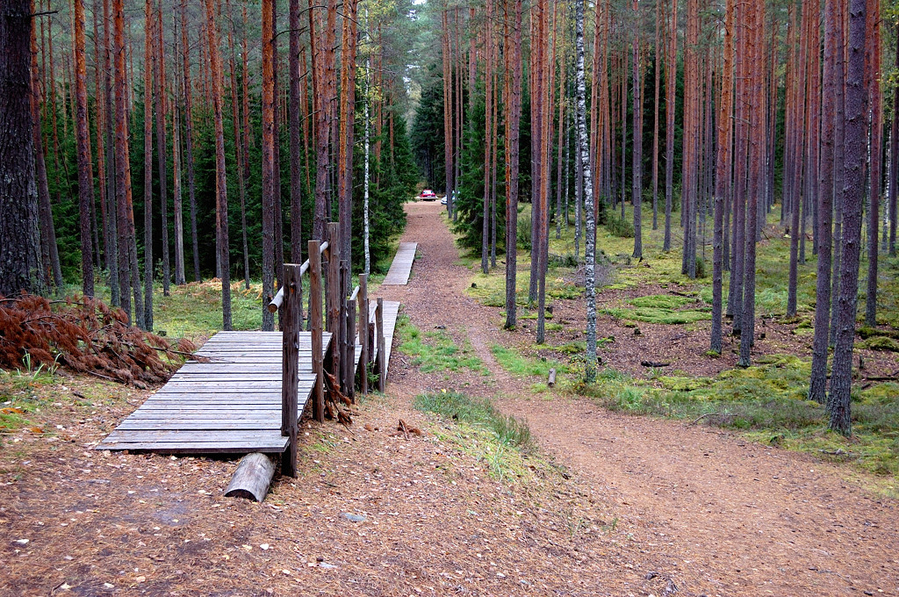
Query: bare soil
{"points": [[629, 506]]}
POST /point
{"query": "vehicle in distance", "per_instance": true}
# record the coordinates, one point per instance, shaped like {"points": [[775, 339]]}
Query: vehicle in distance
{"points": [[428, 195]]}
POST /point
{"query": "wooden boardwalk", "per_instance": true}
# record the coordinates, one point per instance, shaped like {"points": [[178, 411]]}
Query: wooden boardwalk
{"points": [[401, 267], [231, 404], [391, 312]]}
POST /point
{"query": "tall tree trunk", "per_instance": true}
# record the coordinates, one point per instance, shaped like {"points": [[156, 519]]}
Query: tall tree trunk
{"points": [[83, 139], [366, 241], [833, 44], [756, 132], [563, 129], [269, 126], [692, 90], [20, 252], [488, 141], [221, 187], [150, 65], [447, 109], [874, 97], [161, 148], [637, 168], [322, 124], [655, 119], [295, 114], [894, 164], [347, 126], [111, 231], [723, 174], [129, 271], [239, 150], [178, 202], [590, 240], [854, 155], [177, 195], [512, 100], [670, 99], [838, 177], [188, 141]]}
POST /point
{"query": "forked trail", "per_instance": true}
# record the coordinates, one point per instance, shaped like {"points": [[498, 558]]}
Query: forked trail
{"points": [[711, 511]]}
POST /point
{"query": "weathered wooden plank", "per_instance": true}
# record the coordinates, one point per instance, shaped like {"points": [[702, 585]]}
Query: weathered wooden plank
{"points": [[401, 266], [191, 425], [208, 447], [265, 436]]}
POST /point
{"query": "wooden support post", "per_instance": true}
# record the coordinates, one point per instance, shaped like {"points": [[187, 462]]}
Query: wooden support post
{"points": [[350, 359], [363, 333], [345, 382], [334, 298], [291, 320], [382, 353], [315, 318]]}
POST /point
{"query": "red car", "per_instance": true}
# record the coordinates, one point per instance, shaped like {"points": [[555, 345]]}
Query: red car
{"points": [[428, 195]]}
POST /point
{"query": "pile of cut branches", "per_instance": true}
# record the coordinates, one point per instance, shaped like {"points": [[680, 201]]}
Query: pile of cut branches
{"points": [[85, 335]]}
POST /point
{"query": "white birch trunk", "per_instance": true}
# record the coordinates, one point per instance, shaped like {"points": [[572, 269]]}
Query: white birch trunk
{"points": [[590, 231]]}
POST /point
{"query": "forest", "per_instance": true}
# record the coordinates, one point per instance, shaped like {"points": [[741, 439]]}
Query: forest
{"points": [[146, 144]]}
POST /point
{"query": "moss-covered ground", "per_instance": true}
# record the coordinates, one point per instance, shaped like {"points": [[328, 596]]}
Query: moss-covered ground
{"points": [[766, 402]]}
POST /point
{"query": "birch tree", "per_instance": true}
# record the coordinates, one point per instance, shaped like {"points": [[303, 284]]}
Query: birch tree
{"points": [[590, 229]]}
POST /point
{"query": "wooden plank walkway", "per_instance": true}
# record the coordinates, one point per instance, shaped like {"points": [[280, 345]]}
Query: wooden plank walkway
{"points": [[401, 267], [231, 404], [391, 312]]}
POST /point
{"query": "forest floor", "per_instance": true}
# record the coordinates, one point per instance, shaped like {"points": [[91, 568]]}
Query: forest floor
{"points": [[606, 504]]}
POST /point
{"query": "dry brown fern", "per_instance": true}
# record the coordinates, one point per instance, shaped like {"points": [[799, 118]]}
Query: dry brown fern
{"points": [[85, 335]]}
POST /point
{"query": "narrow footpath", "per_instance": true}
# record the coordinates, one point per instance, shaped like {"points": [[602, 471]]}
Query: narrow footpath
{"points": [[710, 511]]}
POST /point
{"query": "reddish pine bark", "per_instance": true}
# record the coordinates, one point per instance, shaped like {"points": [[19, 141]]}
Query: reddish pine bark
{"points": [[188, 140], [83, 140], [347, 122], [129, 273], [161, 148], [268, 163], [221, 187], [512, 99], [150, 65]]}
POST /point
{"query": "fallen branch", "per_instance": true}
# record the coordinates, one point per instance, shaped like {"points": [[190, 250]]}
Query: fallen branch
{"points": [[701, 417], [653, 364]]}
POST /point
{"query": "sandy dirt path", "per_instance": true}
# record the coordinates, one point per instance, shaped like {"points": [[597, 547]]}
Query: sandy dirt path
{"points": [[714, 513]]}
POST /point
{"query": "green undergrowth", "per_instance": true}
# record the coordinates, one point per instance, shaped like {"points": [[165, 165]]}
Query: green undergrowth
{"points": [[667, 309], [29, 396], [436, 351], [768, 402], [525, 366], [195, 309], [502, 442]]}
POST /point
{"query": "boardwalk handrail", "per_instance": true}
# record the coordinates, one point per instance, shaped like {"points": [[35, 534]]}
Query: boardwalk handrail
{"points": [[347, 319], [278, 299]]}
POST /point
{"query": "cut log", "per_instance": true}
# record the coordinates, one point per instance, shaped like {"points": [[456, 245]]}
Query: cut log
{"points": [[252, 478], [552, 378]]}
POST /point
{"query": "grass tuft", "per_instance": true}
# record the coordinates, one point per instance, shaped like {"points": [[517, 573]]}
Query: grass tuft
{"points": [[508, 430]]}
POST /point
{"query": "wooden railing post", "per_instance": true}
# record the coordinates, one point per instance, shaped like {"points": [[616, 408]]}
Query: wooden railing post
{"points": [[291, 320], [382, 353], [350, 356], [363, 333], [343, 328], [334, 297], [315, 317]]}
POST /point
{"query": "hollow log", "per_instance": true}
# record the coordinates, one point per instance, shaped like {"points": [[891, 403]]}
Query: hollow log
{"points": [[252, 478]]}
